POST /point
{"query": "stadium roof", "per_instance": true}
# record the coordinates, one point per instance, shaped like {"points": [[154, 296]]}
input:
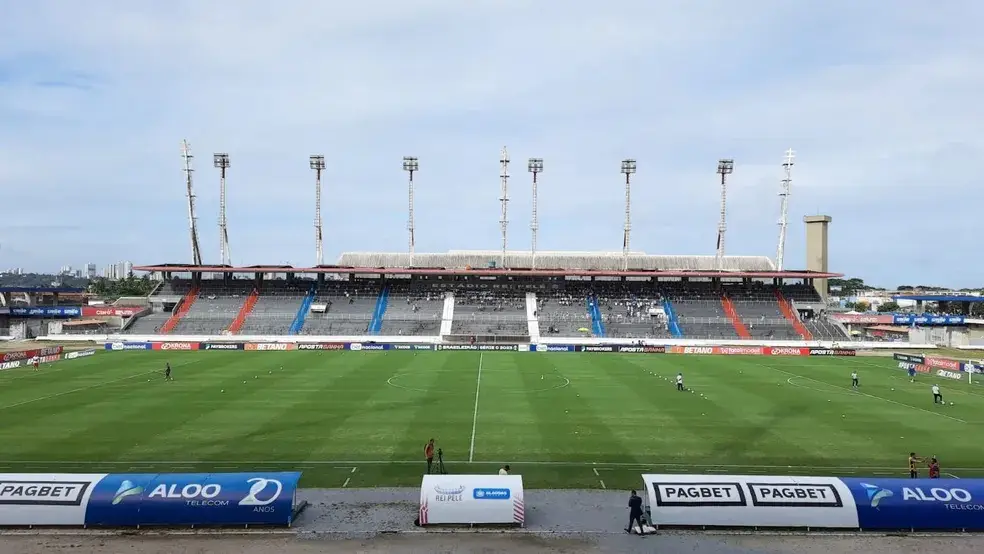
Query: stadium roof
{"points": [[42, 290], [482, 272], [939, 297]]}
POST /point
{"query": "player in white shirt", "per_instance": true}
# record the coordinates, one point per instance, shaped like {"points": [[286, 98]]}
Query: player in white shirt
{"points": [[679, 381], [937, 397], [854, 380], [504, 470]]}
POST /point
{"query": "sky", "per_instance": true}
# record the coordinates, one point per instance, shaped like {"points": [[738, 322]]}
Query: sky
{"points": [[880, 101]]}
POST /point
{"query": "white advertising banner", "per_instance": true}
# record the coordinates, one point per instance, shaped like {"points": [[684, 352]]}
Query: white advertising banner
{"points": [[750, 501], [45, 499], [472, 499]]}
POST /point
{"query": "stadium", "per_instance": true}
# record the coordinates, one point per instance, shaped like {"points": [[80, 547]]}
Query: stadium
{"points": [[600, 371]]}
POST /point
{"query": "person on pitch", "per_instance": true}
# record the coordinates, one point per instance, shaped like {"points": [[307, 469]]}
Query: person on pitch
{"points": [[504, 470], [937, 397], [37, 363], [167, 372], [913, 460], [934, 468], [854, 380], [429, 455], [679, 381]]}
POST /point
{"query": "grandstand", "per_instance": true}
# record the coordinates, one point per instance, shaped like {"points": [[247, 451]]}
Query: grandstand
{"points": [[461, 295]]}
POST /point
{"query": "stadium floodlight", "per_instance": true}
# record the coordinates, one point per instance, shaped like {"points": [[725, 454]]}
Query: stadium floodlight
{"points": [[534, 166], [784, 191], [411, 165], [504, 201], [221, 161], [196, 253], [317, 163], [725, 167], [628, 169]]}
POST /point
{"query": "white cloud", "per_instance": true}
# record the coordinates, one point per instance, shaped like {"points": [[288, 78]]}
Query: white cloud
{"points": [[880, 105]]}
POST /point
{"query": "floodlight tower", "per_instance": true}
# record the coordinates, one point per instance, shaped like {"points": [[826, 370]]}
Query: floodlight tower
{"points": [[196, 253], [410, 165], [725, 167], [787, 181], [318, 165], [534, 166], [221, 161], [628, 168], [504, 201]]}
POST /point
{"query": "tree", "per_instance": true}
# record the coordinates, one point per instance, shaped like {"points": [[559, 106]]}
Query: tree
{"points": [[888, 307], [861, 306]]}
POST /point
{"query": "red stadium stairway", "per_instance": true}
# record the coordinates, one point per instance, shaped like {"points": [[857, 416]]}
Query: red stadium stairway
{"points": [[732, 313], [180, 312], [786, 307], [244, 312]]}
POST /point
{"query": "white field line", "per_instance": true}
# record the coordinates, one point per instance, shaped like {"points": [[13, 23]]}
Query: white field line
{"points": [[862, 393], [598, 475], [478, 388], [952, 476], [80, 389]]}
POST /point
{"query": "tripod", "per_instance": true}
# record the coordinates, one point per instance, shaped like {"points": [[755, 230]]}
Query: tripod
{"points": [[440, 462]]}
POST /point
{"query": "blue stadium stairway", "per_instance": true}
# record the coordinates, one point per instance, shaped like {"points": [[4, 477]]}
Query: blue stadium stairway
{"points": [[671, 319], [377, 315], [597, 326], [302, 312]]}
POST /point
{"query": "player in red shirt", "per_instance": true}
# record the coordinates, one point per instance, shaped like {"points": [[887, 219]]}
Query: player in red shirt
{"points": [[37, 363], [934, 469]]}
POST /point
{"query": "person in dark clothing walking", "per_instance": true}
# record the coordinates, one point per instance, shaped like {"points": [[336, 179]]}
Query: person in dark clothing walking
{"points": [[635, 512]]}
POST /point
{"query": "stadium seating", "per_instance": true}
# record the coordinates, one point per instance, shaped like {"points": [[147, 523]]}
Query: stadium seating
{"points": [[215, 309], [413, 310], [631, 310], [149, 324], [276, 308], [563, 312], [699, 310], [759, 311], [487, 311], [350, 308]]}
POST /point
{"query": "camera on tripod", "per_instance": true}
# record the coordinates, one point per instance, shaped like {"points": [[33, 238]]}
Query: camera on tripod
{"points": [[440, 462]]}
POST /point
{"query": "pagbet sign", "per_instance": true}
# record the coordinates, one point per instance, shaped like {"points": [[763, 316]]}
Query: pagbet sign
{"points": [[750, 501]]}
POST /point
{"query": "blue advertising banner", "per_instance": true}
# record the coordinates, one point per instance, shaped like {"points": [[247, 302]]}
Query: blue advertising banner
{"points": [[551, 348], [927, 319], [410, 347], [177, 499], [359, 346], [117, 346], [47, 311], [222, 346], [919, 504], [910, 358]]}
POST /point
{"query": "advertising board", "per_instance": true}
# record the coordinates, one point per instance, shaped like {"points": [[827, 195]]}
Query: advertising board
{"points": [[918, 368], [80, 354], [786, 351], [370, 346], [122, 311], [132, 500], [864, 318], [750, 501], [943, 363], [552, 348], [912, 358], [19, 355], [595, 348], [222, 346], [269, 346], [175, 346], [46, 311], [322, 346], [119, 346], [918, 504], [483, 347], [472, 499], [927, 319]]}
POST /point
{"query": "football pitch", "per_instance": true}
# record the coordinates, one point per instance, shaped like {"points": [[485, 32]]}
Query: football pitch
{"points": [[574, 420]]}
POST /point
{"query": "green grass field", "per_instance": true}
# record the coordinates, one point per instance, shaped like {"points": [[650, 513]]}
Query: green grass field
{"points": [[360, 419]]}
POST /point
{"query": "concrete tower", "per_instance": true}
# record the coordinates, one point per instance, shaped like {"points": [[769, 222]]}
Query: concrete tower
{"points": [[816, 248]]}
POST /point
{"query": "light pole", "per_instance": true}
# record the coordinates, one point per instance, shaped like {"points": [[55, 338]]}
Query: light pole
{"points": [[221, 161], [725, 167], [317, 163], [534, 166], [628, 169], [784, 191], [504, 201], [410, 165]]}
